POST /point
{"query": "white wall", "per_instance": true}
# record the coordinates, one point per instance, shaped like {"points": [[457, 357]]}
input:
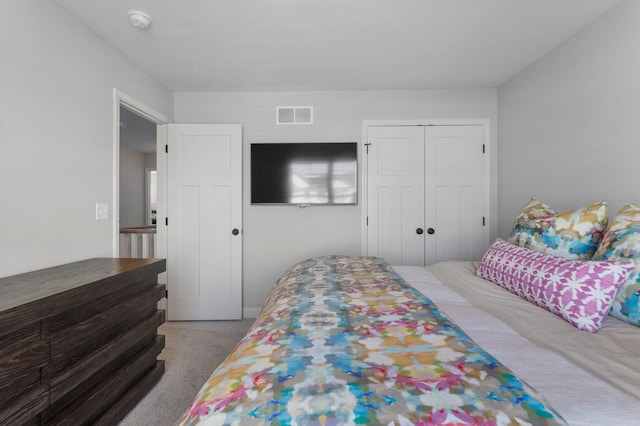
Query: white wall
{"points": [[568, 127], [56, 135], [275, 237], [132, 188], [133, 196]]}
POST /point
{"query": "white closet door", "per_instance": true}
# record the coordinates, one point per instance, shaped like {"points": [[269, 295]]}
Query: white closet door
{"points": [[395, 194], [427, 193], [454, 193], [204, 243]]}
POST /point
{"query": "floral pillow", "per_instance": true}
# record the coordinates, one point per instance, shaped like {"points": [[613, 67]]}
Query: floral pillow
{"points": [[622, 242], [573, 235], [535, 209], [581, 292]]}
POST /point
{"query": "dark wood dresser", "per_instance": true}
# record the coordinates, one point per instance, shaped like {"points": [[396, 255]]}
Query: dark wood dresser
{"points": [[79, 342]]}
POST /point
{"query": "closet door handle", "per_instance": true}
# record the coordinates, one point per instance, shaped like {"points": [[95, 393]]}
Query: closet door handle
{"points": [[431, 231], [419, 231], [235, 231]]}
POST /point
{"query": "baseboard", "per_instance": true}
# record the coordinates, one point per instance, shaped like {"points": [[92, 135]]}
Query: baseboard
{"points": [[250, 312]]}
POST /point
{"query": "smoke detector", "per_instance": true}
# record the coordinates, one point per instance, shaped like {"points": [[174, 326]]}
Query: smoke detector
{"points": [[139, 19]]}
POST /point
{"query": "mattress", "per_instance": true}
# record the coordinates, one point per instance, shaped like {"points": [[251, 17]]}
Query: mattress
{"points": [[590, 379]]}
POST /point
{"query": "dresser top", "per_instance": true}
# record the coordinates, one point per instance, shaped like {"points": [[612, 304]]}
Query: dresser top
{"points": [[29, 287]]}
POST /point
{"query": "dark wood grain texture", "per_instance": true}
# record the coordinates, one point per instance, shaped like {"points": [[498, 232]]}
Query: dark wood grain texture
{"points": [[119, 410], [21, 353], [79, 342]]}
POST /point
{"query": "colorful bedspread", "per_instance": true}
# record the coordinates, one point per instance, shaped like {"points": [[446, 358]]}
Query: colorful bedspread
{"points": [[344, 340]]}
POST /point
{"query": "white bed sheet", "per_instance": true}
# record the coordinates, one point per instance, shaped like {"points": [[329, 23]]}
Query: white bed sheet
{"points": [[580, 397]]}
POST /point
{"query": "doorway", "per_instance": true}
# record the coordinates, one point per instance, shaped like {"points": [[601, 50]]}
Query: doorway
{"points": [[131, 115], [137, 162], [122, 101]]}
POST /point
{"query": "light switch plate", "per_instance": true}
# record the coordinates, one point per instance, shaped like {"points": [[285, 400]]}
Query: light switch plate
{"points": [[102, 211]]}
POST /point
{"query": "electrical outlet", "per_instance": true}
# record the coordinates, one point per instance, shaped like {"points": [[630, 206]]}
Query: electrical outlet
{"points": [[102, 211]]}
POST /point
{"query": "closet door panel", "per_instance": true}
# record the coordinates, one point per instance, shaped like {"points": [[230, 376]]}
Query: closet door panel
{"points": [[395, 194], [454, 193]]}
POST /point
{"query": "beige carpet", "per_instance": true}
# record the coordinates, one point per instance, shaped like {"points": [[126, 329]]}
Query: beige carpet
{"points": [[193, 349]]}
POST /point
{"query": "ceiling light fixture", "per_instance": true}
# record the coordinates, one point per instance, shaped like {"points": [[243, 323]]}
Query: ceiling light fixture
{"points": [[139, 19]]}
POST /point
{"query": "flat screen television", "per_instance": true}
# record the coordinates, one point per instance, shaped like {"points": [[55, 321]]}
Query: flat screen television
{"points": [[304, 173]]}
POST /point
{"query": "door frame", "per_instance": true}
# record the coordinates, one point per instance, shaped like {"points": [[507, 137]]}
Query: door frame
{"points": [[490, 178], [121, 99]]}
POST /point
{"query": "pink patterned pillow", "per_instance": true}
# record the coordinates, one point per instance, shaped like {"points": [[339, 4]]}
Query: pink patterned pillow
{"points": [[580, 291]]}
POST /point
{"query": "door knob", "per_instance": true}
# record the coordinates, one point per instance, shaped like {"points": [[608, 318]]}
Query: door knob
{"points": [[419, 231], [235, 231], [431, 231]]}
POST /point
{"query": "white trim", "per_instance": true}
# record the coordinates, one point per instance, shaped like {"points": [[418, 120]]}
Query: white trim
{"points": [[250, 312], [122, 99], [485, 122], [428, 122], [162, 136], [487, 182], [139, 108], [363, 197], [147, 194]]}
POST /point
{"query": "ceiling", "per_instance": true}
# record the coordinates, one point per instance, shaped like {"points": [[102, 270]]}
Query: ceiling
{"points": [[280, 45]]}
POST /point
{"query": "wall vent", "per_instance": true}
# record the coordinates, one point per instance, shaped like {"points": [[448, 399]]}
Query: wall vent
{"points": [[294, 115]]}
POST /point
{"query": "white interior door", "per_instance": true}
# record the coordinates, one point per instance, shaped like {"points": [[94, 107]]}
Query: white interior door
{"points": [[204, 242], [395, 194], [455, 192]]}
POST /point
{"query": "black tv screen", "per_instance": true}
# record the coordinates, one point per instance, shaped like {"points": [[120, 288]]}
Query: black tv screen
{"points": [[304, 173]]}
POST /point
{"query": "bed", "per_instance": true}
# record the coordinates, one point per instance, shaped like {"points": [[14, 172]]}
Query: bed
{"points": [[352, 340]]}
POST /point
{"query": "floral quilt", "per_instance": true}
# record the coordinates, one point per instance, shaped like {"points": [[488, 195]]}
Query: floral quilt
{"points": [[345, 340]]}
